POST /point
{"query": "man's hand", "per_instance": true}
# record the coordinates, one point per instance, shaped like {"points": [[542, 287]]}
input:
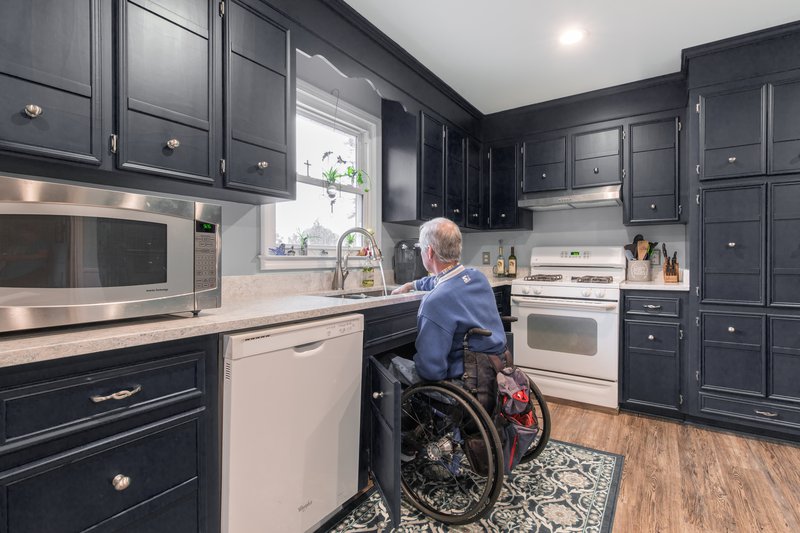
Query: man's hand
{"points": [[406, 287]]}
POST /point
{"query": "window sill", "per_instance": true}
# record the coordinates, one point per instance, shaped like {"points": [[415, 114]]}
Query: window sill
{"points": [[307, 262]]}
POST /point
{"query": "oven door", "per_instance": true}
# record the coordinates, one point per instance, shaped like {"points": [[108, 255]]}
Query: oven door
{"points": [[576, 337]]}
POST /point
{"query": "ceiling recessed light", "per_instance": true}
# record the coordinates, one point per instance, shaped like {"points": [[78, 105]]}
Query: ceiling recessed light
{"points": [[572, 36]]}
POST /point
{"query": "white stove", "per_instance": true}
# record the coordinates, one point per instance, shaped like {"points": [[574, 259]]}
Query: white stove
{"points": [[567, 335]]}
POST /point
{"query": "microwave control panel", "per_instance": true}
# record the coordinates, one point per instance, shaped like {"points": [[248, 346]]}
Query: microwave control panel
{"points": [[205, 256]]}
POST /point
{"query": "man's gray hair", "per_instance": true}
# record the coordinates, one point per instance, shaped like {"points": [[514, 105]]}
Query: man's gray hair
{"points": [[444, 238]]}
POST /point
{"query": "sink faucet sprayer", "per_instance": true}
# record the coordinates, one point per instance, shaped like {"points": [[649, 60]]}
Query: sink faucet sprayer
{"points": [[341, 266]]}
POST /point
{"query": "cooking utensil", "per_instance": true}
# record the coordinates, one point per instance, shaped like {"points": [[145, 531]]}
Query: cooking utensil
{"points": [[641, 250], [629, 254], [664, 252]]}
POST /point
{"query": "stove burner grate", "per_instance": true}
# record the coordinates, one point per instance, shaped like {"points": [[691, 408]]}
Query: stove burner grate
{"points": [[592, 279], [543, 277]]}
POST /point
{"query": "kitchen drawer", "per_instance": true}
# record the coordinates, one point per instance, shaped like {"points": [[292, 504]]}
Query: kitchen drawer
{"points": [[735, 161], [147, 147], [596, 171], [733, 329], [77, 402], [245, 173], [654, 207], [549, 177], [651, 336], [542, 152], [75, 491], [65, 124], [653, 306], [750, 410]]}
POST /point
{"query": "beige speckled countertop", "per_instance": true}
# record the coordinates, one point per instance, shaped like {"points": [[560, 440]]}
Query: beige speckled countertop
{"points": [[240, 311]]}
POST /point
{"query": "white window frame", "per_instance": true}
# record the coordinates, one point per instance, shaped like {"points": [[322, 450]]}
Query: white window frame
{"points": [[322, 106]]}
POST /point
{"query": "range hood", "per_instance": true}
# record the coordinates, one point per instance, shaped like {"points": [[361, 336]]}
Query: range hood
{"points": [[575, 199]]}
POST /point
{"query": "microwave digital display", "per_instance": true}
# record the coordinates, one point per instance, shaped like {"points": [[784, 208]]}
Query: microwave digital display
{"points": [[205, 227]]}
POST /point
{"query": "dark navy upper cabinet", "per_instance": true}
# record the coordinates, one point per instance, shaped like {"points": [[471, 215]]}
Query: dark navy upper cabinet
{"points": [[503, 186], [784, 127], [455, 177], [597, 158], [732, 245], [259, 102], [544, 165], [165, 90], [653, 171], [475, 216], [432, 167], [784, 249], [50, 79], [733, 125]]}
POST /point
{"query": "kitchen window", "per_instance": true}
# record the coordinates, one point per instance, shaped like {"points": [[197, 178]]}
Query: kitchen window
{"points": [[324, 123]]}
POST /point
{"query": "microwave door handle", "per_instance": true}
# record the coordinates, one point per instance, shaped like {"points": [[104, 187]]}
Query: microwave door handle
{"points": [[542, 303]]}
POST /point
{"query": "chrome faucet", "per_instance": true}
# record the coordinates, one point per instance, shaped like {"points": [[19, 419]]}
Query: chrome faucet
{"points": [[341, 266]]}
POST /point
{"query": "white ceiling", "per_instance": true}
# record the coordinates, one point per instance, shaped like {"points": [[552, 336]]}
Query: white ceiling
{"points": [[503, 54]]}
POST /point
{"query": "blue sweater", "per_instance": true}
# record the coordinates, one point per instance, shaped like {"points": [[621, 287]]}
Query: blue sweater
{"points": [[459, 300]]}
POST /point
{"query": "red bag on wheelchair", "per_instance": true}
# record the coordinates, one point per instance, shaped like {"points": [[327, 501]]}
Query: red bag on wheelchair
{"points": [[515, 420]]}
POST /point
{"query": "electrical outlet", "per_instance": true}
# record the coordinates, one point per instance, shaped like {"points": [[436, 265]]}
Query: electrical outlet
{"points": [[655, 257], [486, 259]]}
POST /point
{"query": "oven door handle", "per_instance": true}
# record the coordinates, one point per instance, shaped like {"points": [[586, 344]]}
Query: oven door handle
{"points": [[550, 303]]}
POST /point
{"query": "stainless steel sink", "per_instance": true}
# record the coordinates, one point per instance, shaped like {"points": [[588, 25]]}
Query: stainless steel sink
{"points": [[359, 295]]}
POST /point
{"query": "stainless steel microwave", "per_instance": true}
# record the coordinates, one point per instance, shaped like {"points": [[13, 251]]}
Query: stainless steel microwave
{"points": [[71, 254]]}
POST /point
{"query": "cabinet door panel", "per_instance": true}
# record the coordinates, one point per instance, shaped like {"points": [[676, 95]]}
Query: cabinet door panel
{"points": [[432, 171], [597, 171], [503, 183], [543, 152], [598, 143], [653, 136], [256, 39], [653, 173], [742, 160], [785, 157], [245, 159], [731, 369], [385, 399], [784, 363], [730, 205], [432, 132], [474, 219], [455, 177], [258, 96], [147, 146], [733, 247], [652, 378], [432, 206], [785, 244], [654, 208], [548, 177], [784, 127]]}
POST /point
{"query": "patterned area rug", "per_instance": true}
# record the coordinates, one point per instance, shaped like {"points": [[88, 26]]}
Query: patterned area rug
{"points": [[568, 488]]}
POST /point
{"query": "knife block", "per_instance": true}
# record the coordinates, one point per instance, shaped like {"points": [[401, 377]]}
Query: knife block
{"points": [[674, 274]]}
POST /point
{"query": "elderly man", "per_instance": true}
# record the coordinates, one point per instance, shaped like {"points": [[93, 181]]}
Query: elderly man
{"points": [[459, 299]]}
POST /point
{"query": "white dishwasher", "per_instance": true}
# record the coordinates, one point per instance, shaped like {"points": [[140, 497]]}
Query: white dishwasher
{"points": [[290, 424]]}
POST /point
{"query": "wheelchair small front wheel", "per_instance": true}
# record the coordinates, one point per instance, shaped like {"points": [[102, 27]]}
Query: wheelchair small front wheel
{"points": [[542, 414], [452, 468]]}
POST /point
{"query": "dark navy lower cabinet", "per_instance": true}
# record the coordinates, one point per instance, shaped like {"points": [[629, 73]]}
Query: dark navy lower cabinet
{"points": [[652, 341], [125, 440]]}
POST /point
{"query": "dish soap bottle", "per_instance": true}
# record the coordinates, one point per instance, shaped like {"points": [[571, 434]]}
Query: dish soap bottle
{"points": [[500, 267], [512, 264]]}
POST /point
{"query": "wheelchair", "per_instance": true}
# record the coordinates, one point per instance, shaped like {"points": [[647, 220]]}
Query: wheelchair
{"points": [[452, 466]]}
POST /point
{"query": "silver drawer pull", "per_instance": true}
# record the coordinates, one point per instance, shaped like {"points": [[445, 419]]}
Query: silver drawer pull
{"points": [[172, 144], [766, 413], [377, 395], [434, 206], [544, 175], [121, 482], [596, 170], [731, 245], [732, 160], [653, 207], [33, 111], [651, 337], [120, 395], [502, 215], [262, 165], [731, 329], [651, 306]]}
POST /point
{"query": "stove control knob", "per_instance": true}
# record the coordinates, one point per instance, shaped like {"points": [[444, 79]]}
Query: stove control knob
{"points": [[587, 292], [525, 290], [537, 291], [600, 294]]}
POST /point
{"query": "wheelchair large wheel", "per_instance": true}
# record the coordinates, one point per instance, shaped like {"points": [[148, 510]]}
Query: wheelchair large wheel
{"points": [[542, 413], [451, 468]]}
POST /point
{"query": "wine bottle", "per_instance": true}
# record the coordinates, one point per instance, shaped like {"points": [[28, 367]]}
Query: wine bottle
{"points": [[512, 264], [501, 262]]}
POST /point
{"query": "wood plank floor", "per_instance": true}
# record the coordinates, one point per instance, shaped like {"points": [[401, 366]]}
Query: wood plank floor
{"points": [[679, 478]]}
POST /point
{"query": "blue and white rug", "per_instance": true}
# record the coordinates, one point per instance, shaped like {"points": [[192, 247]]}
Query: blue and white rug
{"points": [[568, 488]]}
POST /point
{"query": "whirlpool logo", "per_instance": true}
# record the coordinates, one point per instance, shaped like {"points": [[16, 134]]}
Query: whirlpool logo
{"points": [[304, 506], [156, 290]]}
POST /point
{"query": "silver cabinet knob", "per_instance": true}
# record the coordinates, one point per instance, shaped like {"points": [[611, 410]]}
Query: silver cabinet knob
{"points": [[596, 170], [731, 245], [502, 215], [434, 206], [173, 144], [377, 395], [653, 207], [33, 111], [475, 215], [544, 175], [262, 165], [732, 160], [456, 210], [121, 482], [651, 338], [731, 329]]}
